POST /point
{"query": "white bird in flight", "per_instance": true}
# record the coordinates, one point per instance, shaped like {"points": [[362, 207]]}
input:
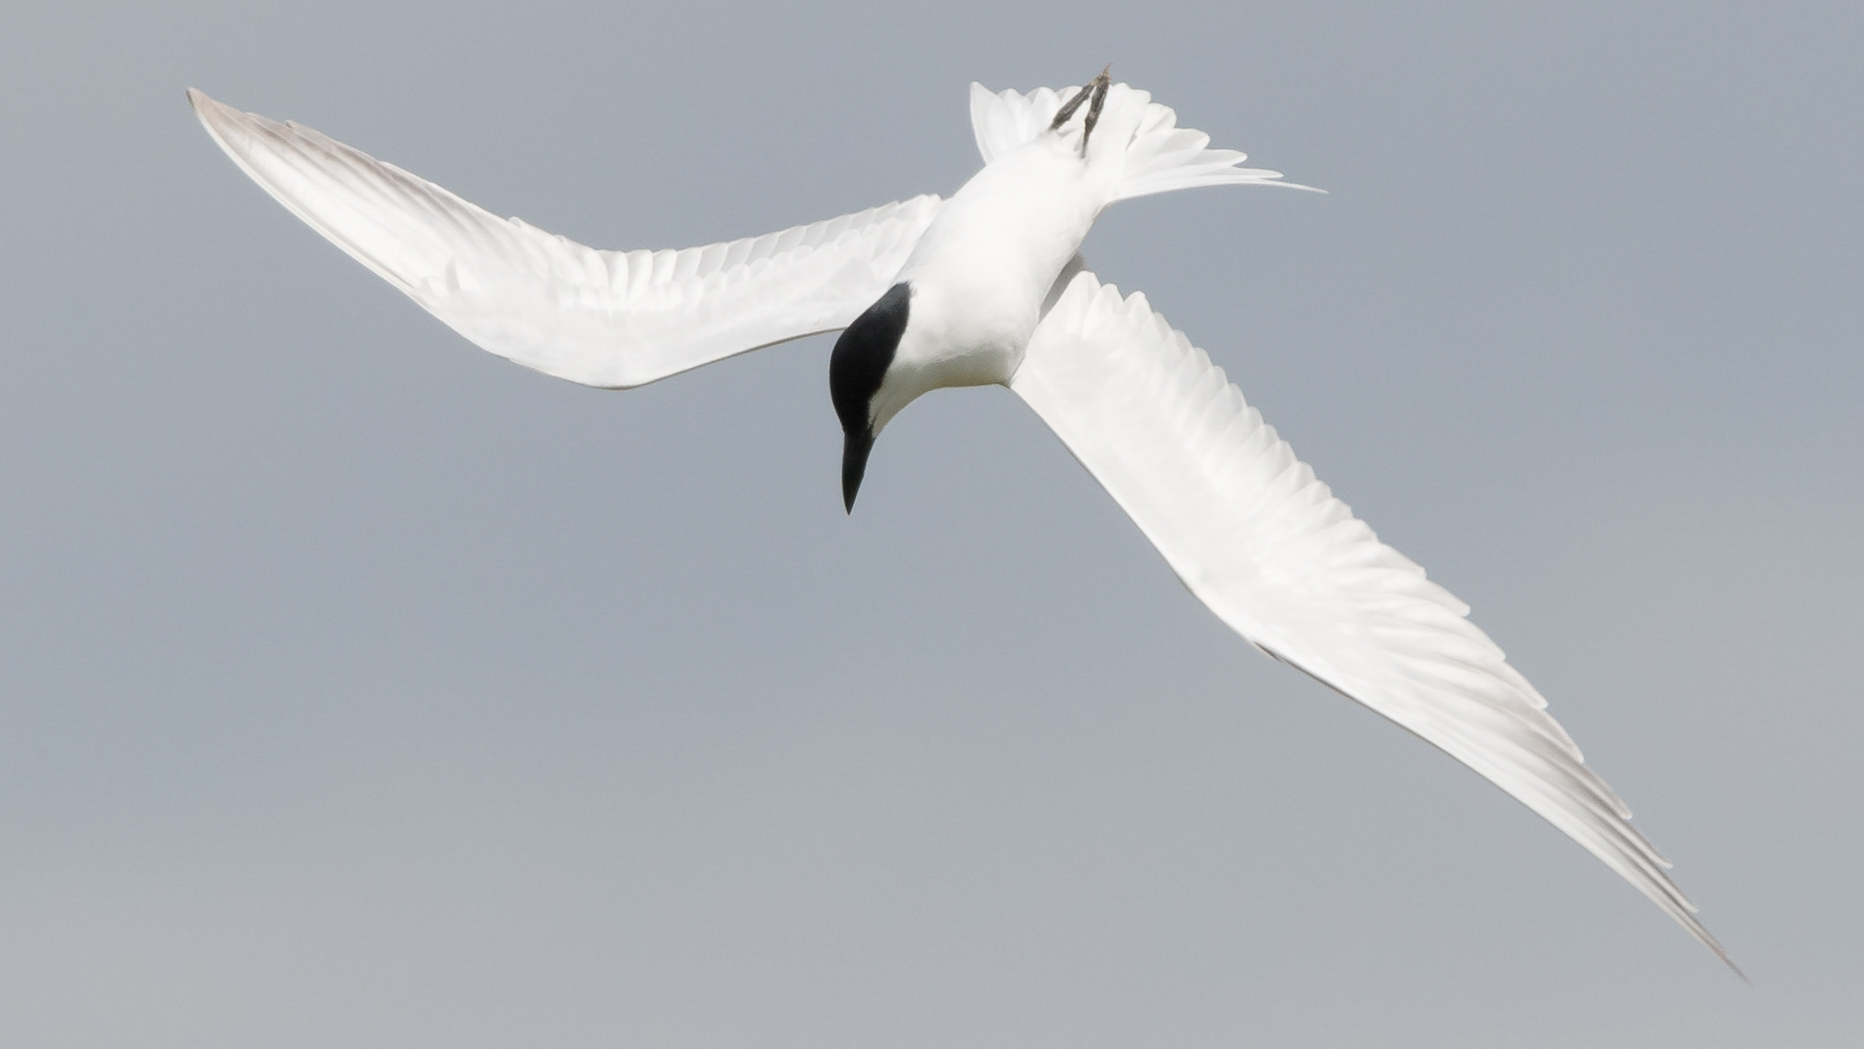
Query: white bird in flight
{"points": [[988, 287]]}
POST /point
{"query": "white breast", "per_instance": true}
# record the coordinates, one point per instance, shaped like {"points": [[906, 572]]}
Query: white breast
{"points": [[981, 271]]}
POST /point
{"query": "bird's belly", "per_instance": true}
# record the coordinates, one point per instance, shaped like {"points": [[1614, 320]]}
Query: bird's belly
{"points": [[980, 273], [972, 331]]}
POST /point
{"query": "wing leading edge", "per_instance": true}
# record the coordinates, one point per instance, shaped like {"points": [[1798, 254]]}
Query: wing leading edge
{"points": [[1269, 549], [602, 318]]}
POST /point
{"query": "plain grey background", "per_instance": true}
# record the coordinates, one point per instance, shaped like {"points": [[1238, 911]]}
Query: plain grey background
{"points": [[362, 689]]}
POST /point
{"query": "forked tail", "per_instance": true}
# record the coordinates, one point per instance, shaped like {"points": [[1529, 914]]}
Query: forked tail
{"points": [[1160, 157]]}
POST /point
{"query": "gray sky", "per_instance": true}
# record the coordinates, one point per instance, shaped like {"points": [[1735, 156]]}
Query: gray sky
{"points": [[363, 689]]}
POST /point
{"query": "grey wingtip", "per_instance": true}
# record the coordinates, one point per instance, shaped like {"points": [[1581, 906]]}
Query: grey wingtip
{"points": [[207, 109], [1722, 953]]}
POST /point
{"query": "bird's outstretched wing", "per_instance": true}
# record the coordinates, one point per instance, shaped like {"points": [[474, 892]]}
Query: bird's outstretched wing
{"points": [[602, 318], [1269, 549]]}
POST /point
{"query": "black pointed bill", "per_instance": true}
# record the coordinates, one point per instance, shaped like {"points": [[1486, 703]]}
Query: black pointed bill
{"points": [[855, 372]]}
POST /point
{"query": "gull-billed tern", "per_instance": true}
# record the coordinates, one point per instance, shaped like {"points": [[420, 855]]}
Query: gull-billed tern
{"points": [[988, 287]]}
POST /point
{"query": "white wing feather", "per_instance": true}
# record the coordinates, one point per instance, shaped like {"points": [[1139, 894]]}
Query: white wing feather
{"points": [[1160, 158], [1269, 549], [603, 318]]}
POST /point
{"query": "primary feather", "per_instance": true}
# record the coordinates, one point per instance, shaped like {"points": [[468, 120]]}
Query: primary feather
{"points": [[602, 318]]}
